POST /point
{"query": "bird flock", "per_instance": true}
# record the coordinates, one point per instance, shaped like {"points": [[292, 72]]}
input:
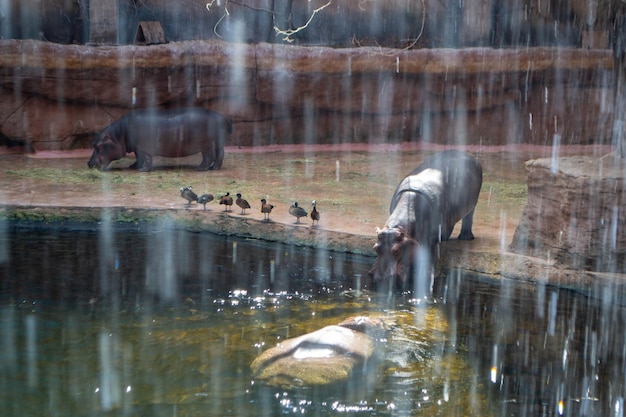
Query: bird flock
{"points": [[227, 201]]}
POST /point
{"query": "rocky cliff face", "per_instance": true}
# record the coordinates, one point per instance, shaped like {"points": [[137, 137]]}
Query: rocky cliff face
{"points": [[57, 96], [575, 213], [395, 23]]}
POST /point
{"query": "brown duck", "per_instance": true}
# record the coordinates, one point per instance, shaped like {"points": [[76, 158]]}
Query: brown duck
{"points": [[297, 211], [266, 209], [315, 215], [227, 200], [242, 203]]}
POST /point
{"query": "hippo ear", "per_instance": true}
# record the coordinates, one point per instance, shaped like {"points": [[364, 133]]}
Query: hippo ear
{"points": [[106, 138], [100, 139], [377, 231]]}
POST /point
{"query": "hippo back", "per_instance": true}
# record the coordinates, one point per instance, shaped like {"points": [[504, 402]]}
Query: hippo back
{"points": [[450, 181], [462, 178], [175, 132]]}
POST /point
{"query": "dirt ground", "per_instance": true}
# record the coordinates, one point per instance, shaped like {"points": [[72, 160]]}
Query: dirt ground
{"points": [[352, 185]]}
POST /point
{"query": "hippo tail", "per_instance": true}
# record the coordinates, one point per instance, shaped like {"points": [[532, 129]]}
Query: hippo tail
{"points": [[229, 125]]}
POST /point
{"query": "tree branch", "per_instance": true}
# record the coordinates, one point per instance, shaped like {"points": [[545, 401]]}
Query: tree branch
{"points": [[287, 33]]}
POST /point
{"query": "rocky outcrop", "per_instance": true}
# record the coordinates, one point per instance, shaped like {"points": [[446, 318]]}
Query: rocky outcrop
{"points": [[57, 96], [576, 213]]}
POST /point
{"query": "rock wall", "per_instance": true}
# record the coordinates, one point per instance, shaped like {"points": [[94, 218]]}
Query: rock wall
{"points": [[395, 23], [57, 96], [575, 213]]}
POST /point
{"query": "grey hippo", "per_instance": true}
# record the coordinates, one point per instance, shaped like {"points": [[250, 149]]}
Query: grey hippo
{"points": [[168, 133], [424, 209]]}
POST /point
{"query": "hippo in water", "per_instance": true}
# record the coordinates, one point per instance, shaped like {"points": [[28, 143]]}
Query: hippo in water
{"points": [[169, 133], [329, 355], [424, 209]]}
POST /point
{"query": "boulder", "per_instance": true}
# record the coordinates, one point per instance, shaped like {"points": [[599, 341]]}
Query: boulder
{"points": [[325, 356], [576, 213]]}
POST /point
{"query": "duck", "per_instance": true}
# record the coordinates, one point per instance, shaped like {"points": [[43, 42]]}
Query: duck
{"points": [[266, 209], [297, 211], [242, 203], [204, 199], [227, 200], [315, 215], [188, 194]]}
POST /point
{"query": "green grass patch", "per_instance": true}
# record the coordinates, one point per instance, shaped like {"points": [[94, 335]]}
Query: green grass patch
{"points": [[507, 192]]}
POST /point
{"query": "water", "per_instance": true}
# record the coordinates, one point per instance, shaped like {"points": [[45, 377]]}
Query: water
{"points": [[100, 321], [86, 333]]}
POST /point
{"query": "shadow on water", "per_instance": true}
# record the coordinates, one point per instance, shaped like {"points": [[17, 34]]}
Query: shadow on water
{"points": [[97, 320]]}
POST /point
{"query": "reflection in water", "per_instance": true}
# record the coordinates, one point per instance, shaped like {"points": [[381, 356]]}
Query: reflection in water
{"points": [[164, 322]]}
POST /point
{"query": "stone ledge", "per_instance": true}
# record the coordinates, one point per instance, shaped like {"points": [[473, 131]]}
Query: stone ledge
{"points": [[24, 54]]}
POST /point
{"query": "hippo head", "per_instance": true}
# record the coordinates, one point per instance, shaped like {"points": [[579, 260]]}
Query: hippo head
{"points": [[395, 256], [105, 150]]}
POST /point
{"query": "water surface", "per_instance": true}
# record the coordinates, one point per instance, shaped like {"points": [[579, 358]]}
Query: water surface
{"points": [[96, 320]]}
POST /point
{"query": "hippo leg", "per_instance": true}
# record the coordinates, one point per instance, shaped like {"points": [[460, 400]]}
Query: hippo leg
{"points": [[218, 156], [466, 227], [144, 161], [206, 161], [445, 234]]}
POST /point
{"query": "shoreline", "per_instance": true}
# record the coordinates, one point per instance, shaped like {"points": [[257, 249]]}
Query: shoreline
{"points": [[539, 150], [57, 187], [470, 258]]}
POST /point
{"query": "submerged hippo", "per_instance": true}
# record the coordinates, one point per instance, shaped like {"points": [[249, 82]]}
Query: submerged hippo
{"points": [[330, 354], [424, 209], [170, 133]]}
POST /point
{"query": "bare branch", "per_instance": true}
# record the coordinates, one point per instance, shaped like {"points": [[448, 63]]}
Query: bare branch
{"points": [[419, 35], [258, 9], [226, 14], [356, 42], [287, 33], [209, 5]]}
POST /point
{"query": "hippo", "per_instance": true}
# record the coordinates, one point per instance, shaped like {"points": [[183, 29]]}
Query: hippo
{"points": [[331, 354], [169, 133], [424, 209]]}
